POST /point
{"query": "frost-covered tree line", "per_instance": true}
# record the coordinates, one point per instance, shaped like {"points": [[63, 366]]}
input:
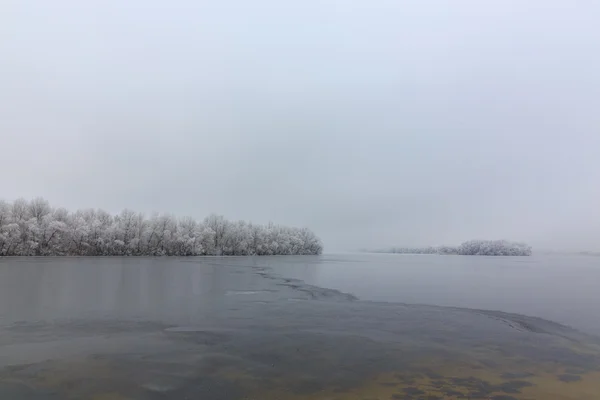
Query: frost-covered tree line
{"points": [[494, 248], [470, 248], [34, 228]]}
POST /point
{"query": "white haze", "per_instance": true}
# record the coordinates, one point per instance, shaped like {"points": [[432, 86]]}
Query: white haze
{"points": [[374, 123]]}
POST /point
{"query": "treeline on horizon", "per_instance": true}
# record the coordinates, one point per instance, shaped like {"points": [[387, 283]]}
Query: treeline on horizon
{"points": [[469, 248], [34, 228]]}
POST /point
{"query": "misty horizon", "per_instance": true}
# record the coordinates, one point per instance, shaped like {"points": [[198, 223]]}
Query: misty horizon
{"points": [[7, 215], [384, 125]]}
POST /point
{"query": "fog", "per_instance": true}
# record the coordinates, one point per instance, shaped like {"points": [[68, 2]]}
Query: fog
{"points": [[374, 123]]}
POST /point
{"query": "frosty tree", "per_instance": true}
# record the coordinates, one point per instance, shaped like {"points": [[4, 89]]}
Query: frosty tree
{"points": [[34, 228], [470, 248]]}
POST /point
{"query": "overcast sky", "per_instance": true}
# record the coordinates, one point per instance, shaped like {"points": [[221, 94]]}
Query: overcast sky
{"points": [[372, 122]]}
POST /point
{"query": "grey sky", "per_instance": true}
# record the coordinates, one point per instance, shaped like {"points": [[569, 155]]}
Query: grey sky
{"points": [[372, 122]]}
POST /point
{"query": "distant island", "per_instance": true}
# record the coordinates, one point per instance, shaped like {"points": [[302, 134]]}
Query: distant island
{"points": [[33, 228], [470, 248]]}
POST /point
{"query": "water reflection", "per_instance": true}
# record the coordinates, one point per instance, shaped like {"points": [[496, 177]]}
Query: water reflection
{"points": [[245, 328], [120, 288]]}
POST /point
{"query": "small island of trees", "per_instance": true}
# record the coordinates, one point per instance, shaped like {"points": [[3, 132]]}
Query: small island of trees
{"points": [[470, 248], [34, 228]]}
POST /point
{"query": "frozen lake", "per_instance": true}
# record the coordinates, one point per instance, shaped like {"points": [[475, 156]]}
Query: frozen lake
{"points": [[561, 288], [328, 327]]}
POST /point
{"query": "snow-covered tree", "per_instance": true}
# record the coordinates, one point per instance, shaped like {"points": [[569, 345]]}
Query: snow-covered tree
{"points": [[470, 248], [494, 248], [38, 208], [35, 228]]}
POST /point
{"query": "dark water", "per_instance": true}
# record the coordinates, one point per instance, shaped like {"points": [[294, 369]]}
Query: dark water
{"points": [[264, 328]]}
